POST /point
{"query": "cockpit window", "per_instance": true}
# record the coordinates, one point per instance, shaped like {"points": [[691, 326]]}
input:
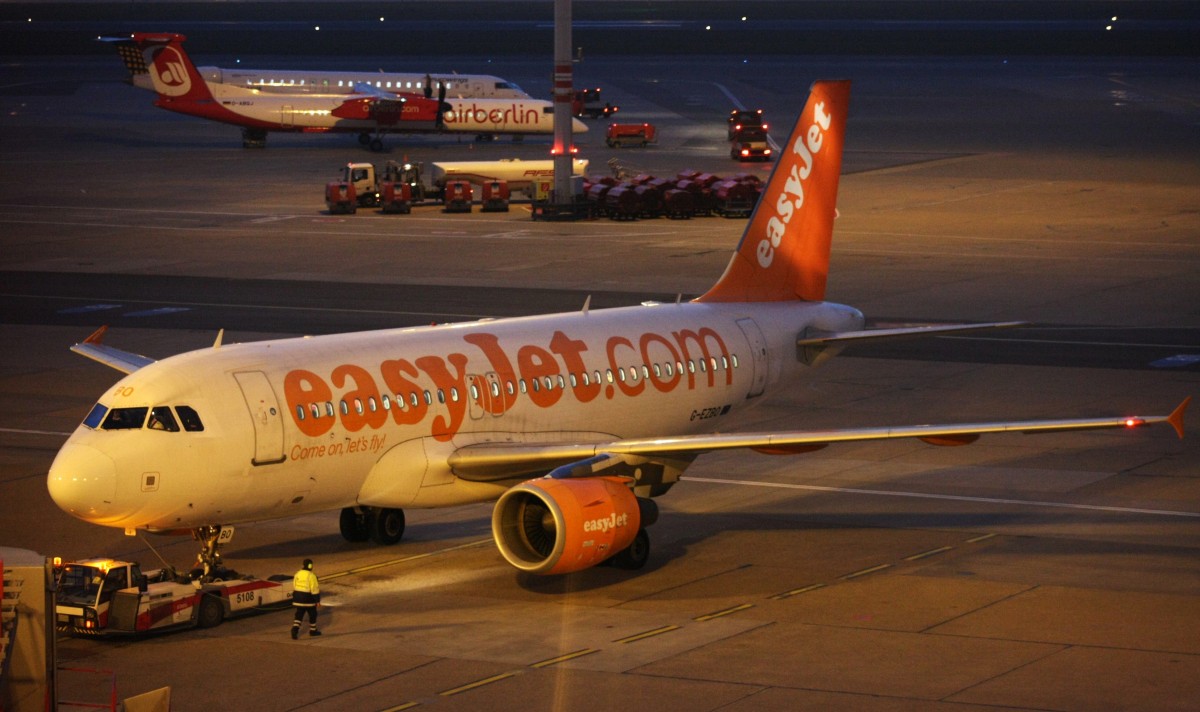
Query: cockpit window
{"points": [[125, 418], [96, 417], [161, 419], [190, 418]]}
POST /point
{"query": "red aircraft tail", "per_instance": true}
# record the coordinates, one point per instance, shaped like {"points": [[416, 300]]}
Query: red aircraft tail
{"points": [[784, 253], [171, 70]]}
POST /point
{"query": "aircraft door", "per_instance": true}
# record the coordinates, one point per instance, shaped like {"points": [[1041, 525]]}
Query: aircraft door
{"points": [[287, 116], [264, 412], [758, 355], [485, 394]]}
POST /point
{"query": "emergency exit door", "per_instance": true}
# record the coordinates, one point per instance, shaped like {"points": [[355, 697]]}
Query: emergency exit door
{"points": [[264, 412]]}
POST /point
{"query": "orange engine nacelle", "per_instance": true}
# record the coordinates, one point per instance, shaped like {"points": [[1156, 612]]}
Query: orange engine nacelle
{"points": [[558, 526]]}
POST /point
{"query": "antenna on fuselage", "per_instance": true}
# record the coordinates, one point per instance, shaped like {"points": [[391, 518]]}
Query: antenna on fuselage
{"points": [[220, 338], [587, 303]]}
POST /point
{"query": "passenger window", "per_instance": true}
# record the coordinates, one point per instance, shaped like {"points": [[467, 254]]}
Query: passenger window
{"points": [[329, 408], [372, 405], [441, 396], [586, 381], [345, 407], [524, 387], [299, 412], [657, 371], [316, 411], [454, 394], [691, 366], [712, 363], [725, 363], [125, 418], [387, 402], [429, 398], [703, 366], [95, 417], [358, 406], [670, 370], [549, 383], [574, 381], [162, 419], [495, 389], [597, 375], [474, 392]]}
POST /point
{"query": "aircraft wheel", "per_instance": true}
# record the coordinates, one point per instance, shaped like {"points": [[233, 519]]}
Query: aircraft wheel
{"points": [[355, 525], [211, 612], [376, 145], [387, 526], [364, 138], [636, 555]]}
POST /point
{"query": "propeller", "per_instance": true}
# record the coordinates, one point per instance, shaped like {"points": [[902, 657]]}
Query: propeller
{"points": [[440, 121]]}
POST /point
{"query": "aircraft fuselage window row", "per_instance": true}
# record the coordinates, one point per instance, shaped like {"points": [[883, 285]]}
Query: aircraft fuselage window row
{"points": [[161, 417], [341, 83], [631, 374]]}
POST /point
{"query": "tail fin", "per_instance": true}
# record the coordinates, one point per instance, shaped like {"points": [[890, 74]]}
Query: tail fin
{"points": [[784, 253], [171, 71]]}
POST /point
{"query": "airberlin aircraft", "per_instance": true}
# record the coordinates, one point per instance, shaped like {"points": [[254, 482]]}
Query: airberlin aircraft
{"points": [[369, 111], [572, 423]]}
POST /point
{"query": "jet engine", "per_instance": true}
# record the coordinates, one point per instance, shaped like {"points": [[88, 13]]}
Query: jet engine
{"points": [[559, 526]]}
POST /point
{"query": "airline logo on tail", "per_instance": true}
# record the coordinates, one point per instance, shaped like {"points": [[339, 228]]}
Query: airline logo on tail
{"points": [[791, 196], [170, 72], [784, 253]]}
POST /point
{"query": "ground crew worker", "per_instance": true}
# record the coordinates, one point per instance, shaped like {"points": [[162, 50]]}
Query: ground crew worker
{"points": [[306, 598]]}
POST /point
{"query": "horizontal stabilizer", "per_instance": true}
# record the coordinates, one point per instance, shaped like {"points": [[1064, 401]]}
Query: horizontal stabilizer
{"points": [[907, 332], [123, 361]]}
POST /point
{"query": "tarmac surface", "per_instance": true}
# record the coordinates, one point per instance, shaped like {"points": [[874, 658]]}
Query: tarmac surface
{"points": [[1056, 572]]}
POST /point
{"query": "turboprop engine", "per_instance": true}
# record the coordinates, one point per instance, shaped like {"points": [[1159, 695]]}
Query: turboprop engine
{"points": [[559, 526]]}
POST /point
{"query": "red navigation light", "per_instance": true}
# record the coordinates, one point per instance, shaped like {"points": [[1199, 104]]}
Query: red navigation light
{"points": [[557, 151]]}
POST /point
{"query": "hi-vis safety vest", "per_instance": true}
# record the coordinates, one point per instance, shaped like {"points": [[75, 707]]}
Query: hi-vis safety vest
{"points": [[306, 591]]}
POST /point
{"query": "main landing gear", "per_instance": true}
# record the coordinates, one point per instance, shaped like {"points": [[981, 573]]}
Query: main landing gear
{"points": [[381, 525], [375, 143]]}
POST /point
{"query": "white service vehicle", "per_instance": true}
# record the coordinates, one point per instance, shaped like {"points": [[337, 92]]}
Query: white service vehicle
{"points": [[109, 597]]}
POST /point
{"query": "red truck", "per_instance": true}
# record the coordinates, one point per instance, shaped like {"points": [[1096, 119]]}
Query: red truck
{"points": [[621, 135]]}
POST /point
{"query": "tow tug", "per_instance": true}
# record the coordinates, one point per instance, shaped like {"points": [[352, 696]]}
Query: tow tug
{"points": [[101, 597]]}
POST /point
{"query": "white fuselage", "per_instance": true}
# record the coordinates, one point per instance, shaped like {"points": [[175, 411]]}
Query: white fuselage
{"points": [[311, 424], [477, 86], [315, 112]]}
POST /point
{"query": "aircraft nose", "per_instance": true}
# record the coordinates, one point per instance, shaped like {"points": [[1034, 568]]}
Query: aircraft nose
{"points": [[83, 481]]}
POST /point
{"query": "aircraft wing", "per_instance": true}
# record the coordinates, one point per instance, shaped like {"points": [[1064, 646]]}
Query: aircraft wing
{"points": [[499, 461], [123, 361]]}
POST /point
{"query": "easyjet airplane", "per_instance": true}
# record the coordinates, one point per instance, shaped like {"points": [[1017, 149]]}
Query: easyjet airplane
{"points": [[366, 109], [571, 422]]}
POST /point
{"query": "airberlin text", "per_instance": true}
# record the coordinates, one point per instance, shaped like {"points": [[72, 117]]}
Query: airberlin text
{"points": [[510, 115], [791, 195], [633, 365]]}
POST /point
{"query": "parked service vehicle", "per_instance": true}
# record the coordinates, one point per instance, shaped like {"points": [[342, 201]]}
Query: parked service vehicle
{"points": [[621, 135], [750, 144], [401, 185], [109, 597], [587, 103], [740, 119]]}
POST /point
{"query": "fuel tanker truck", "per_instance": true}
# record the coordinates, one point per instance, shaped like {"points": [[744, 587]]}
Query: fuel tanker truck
{"points": [[428, 183]]}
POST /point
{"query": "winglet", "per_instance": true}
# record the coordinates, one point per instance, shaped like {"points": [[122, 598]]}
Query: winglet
{"points": [[1176, 416], [97, 336]]}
